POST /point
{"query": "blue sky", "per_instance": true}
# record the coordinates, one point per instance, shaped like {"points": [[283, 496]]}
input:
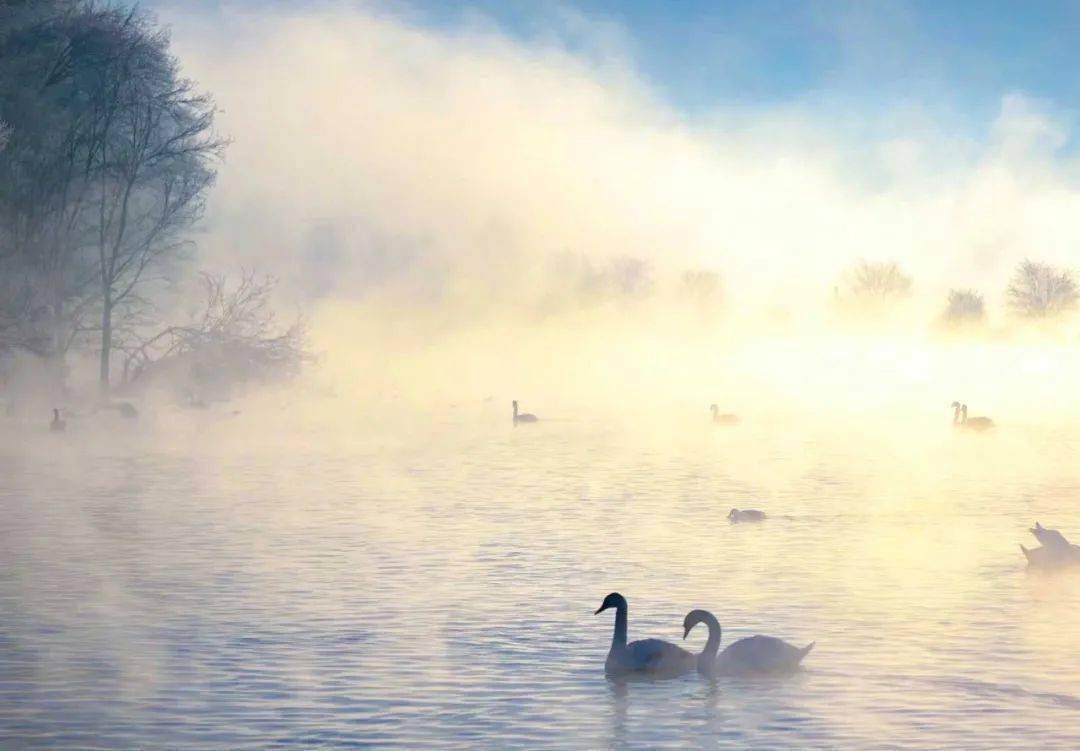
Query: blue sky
{"points": [[962, 55], [843, 58]]}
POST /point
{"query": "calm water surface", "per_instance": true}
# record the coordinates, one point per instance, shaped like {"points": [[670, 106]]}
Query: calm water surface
{"points": [[431, 584]]}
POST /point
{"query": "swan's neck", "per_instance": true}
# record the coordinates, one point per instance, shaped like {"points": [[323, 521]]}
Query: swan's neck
{"points": [[618, 639], [515, 410], [956, 415], [712, 644], [963, 416]]}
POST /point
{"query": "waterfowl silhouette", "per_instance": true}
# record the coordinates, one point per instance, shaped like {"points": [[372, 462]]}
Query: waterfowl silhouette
{"points": [[57, 425], [961, 419], [754, 655], [653, 657], [723, 419], [735, 516], [1056, 551], [523, 417]]}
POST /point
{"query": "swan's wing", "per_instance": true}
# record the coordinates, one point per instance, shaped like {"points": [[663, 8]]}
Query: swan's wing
{"points": [[657, 655], [761, 654]]}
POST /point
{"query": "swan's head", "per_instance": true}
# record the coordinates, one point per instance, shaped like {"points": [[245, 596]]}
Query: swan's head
{"points": [[56, 413], [693, 618], [514, 403], [733, 513], [956, 405], [613, 600]]}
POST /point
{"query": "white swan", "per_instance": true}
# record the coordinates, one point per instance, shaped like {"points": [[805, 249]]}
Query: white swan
{"points": [[724, 419], [653, 657], [1055, 551], [754, 655], [735, 516], [523, 417], [961, 419]]}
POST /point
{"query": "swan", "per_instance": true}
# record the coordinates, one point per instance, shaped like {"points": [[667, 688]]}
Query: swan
{"points": [[1055, 550], [57, 425], [961, 419], [523, 417], [724, 419], [754, 655], [735, 516], [653, 657]]}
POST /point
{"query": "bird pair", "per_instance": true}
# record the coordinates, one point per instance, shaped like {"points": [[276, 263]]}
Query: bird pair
{"points": [[755, 655]]}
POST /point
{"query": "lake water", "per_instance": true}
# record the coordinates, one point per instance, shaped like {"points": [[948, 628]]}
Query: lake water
{"points": [[412, 582]]}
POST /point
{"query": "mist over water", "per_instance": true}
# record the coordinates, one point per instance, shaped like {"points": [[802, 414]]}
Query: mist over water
{"points": [[374, 555], [427, 579]]}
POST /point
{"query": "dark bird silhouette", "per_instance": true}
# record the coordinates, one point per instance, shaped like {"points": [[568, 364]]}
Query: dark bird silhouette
{"points": [[57, 425], [524, 416], [723, 419], [961, 419]]}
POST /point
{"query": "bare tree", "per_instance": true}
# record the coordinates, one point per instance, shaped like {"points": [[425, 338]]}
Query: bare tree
{"points": [[878, 281], [234, 338], [152, 162], [965, 306], [107, 164], [701, 289], [1038, 290]]}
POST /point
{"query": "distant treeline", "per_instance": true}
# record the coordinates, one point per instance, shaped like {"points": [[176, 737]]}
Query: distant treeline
{"points": [[106, 156], [1036, 291]]}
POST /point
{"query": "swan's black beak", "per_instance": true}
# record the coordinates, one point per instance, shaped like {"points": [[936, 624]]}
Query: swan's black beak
{"points": [[686, 632], [600, 610]]}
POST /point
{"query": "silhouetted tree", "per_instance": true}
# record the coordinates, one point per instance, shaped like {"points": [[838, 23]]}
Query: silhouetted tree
{"points": [[1038, 290], [965, 306], [702, 288], [872, 286], [234, 338], [883, 280], [109, 157]]}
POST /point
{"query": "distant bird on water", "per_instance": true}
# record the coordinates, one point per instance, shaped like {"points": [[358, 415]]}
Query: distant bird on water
{"points": [[57, 425], [961, 419], [524, 416], [723, 419], [735, 516]]}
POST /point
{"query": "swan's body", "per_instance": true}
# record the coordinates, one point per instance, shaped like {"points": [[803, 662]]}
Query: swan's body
{"points": [[961, 419], [735, 516], [524, 416], [1056, 551], [653, 657], [754, 655], [57, 425], [723, 419]]}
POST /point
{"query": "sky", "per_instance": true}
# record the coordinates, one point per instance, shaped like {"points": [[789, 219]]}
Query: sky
{"points": [[484, 155], [958, 56]]}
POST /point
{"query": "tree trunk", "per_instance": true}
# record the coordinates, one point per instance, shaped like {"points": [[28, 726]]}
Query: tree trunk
{"points": [[106, 341]]}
